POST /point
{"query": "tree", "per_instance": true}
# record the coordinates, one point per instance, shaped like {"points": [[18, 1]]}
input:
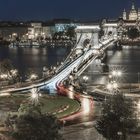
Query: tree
{"points": [[32, 124], [31, 74], [117, 118], [6, 66], [133, 33]]}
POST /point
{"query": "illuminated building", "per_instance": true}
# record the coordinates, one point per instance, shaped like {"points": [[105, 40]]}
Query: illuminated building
{"points": [[134, 14]]}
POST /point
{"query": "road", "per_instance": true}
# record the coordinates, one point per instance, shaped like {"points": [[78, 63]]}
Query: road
{"points": [[82, 131]]}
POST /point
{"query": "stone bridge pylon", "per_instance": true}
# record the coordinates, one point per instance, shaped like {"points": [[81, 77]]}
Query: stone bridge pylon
{"points": [[110, 29], [87, 36]]}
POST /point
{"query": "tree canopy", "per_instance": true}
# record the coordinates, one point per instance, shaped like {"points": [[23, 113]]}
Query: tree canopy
{"points": [[133, 33], [5, 66], [33, 125], [117, 118]]}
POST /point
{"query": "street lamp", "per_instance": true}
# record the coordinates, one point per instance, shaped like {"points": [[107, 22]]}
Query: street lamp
{"points": [[35, 96], [85, 78], [115, 85], [116, 73], [120, 135], [109, 86], [71, 78], [54, 68], [33, 77], [119, 73], [14, 72], [110, 76], [112, 86], [3, 76]]}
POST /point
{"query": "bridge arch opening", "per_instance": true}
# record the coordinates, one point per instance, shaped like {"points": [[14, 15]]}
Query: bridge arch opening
{"points": [[86, 42]]}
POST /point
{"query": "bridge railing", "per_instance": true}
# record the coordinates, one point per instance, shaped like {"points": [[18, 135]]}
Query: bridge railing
{"points": [[68, 57]]}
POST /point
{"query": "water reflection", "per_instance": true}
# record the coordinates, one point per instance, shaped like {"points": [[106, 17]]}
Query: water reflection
{"points": [[34, 58]]}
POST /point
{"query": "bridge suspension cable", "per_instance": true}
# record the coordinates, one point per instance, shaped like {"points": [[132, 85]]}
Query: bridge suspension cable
{"points": [[65, 61]]}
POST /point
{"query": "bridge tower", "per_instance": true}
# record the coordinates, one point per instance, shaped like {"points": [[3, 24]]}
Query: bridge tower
{"points": [[110, 29], [87, 36]]}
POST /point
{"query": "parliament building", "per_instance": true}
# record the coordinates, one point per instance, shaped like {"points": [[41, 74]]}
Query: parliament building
{"points": [[134, 14]]}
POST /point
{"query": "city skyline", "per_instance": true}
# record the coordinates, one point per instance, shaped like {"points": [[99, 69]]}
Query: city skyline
{"points": [[47, 10]]}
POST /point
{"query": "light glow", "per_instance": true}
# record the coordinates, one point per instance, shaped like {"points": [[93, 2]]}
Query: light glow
{"points": [[86, 105], [33, 76], [71, 93], [88, 27], [109, 86], [85, 78], [115, 85], [35, 95], [116, 73], [14, 72], [3, 76]]}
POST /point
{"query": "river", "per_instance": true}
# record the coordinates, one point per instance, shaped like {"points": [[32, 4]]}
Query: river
{"points": [[34, 58]]}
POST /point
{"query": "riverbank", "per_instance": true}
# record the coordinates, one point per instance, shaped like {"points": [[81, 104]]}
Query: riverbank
{"points": [[130, 42], [41, 44], [129, 90]]}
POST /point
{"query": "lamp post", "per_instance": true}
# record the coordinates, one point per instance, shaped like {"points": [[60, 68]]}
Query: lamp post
{"points": [[85, 78], [33, 76], [35, 96], [116, 73], [113, 77], [71, 78], [112, 86], [120, 135]]}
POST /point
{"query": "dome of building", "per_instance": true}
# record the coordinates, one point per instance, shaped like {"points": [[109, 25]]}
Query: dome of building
{"points": [[133, 13]]}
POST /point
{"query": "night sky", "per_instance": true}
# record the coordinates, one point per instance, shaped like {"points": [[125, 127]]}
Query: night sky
{"points": [[74, 9]]}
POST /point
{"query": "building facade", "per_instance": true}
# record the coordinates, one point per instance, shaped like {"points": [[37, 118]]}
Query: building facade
{"points": [[134, 14]]}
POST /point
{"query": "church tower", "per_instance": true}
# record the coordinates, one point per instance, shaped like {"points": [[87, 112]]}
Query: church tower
{"points": [[124, 15], [133, 13]]}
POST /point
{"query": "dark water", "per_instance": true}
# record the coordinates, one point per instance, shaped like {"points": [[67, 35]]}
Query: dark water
{"points": [[127, 60], [34, 58]]}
